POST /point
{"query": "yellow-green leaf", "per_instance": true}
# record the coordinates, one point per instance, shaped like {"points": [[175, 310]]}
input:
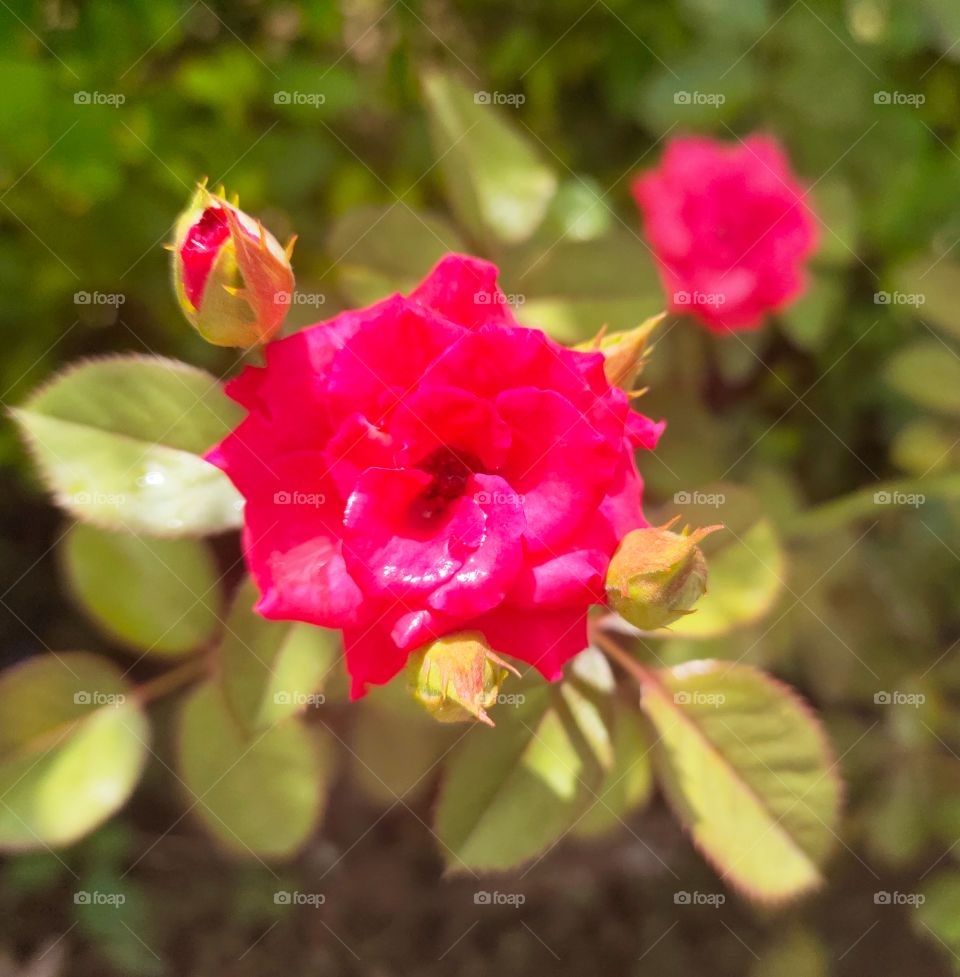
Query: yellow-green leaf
{"points": [[118, 441], [73, 742], [159, 595], [259, 794], [749, 772]]}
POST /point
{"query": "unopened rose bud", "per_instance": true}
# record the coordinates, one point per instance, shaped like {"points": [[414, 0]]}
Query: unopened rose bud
{"points": [[656, 576], [624, 352], [233, 279], [457, 678]]}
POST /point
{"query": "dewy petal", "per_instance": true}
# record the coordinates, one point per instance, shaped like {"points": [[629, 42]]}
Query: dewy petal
{"points": [[292, 546], [388, 544], [357, 446], [489, 571], [558, 462], [465, 291], [437, 417]]}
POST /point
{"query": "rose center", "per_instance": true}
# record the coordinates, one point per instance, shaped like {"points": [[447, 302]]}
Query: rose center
{"points": [[450, 471]]}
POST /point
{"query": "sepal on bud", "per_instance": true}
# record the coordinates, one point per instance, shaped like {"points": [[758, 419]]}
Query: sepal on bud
{"points": [[656, 576], [233, 280], [625, 353], [457, 678]]}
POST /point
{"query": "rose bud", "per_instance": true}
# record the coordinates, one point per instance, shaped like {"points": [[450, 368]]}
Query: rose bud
{"points": [[656, 576], [233, 279], [457, 678], [625, 353]]}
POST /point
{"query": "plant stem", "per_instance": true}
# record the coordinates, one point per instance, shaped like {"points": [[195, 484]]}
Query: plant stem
{"points": [[163, 684], [627, 662]]}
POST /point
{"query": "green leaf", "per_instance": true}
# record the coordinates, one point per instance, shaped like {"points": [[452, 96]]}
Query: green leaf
{"points": [[628, 783], [272, 669], [930, 287], [117, 441], [937, 918], [160, 595], [497, 183], [381, 250], [745, 562], [881, 499], [928, 372], [748, 770], [73, 742], [808, 320], [512, 791], [836, 206], [396, 745], [573, 288], [258, 794]]}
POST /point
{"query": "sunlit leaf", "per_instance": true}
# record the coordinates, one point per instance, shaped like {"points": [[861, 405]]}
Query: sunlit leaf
{"points": [[73, 742], [629, 781], [272, 669], [510, 792], [117, 441], [159, 595], [259, 794], [748, 771], [498, 185]]}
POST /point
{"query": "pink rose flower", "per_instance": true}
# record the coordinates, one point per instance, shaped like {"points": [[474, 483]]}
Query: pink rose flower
{"points": [[730, 228], [426, 466]]}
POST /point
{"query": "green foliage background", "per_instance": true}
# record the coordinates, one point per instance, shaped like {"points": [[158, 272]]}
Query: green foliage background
{"points": [[840, 396]]}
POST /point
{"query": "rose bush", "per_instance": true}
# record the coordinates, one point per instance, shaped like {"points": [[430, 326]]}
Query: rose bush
{"points": [[730, 228], [427, 465]]}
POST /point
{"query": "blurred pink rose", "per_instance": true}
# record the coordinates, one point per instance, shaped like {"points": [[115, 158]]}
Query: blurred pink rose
{"points": [[730, 227]]}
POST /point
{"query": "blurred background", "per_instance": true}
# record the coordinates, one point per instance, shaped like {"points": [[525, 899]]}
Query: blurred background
{"points": [[828, 439]]}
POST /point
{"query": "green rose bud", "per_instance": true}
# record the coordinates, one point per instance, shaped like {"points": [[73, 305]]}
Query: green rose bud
{"points": [[625, 353], [656, 576], [233, 281], [457, 678]]}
